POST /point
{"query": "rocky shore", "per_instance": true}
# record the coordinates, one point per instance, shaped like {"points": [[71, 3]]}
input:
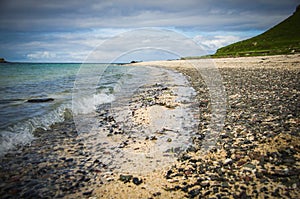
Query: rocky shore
{"points": [[257, 153], [130, 140]]}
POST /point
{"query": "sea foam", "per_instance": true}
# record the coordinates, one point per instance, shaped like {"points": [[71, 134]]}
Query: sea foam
{"points": [[21, 133]]}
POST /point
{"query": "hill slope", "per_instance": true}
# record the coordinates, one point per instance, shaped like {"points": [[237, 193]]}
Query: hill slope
{"points": [[284, 38]]}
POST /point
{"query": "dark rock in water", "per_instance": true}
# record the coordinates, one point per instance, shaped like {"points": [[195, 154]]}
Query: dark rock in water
{"points": [[40, 100], [137, 181], [68, 115], [125, 178]]}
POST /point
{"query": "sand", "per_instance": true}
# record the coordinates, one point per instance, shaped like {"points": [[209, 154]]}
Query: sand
{"points": [[257, 154], [276, 61], [252, 152]]}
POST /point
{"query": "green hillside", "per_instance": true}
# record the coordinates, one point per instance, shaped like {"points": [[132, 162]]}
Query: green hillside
{"points": [[283, 38]]}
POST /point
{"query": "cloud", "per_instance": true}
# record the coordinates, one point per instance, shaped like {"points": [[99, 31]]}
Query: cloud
{"points": [[148, 41], [44, 55], [69, 30], [34, 15], [66, 46], [211, 43]]}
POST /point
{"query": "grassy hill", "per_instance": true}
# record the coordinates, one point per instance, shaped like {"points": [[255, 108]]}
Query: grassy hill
{"points": [[284, 38]]}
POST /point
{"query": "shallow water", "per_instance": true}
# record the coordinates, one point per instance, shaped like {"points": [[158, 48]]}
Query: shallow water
{"points": [[103, 133], [132, 142], [78, 88], [20, 82]]}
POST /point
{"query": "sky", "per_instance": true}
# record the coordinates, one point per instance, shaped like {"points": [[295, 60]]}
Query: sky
{"points": [[71, 30]]}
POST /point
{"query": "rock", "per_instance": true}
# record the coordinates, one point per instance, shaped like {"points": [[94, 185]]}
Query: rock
{"points": [[109, 179], [289, 161], [243, 195], [216, 189], [153, 138], [88, 193], [227, 161], [156, 194], [125, 178], [137, 181], [240, 163], [205, 184], [172, 180], [40, 100], [169, 172], [194, 192], [184, 157], [69, 160], [225, 185], [123, 144], [249, 165]]}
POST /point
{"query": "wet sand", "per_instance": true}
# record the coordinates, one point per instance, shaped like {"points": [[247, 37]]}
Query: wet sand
{"points": [[256, 154], [137, 135]]}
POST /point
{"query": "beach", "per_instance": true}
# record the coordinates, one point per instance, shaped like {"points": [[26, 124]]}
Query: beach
{"points": [[257, 152], [254, 149]]}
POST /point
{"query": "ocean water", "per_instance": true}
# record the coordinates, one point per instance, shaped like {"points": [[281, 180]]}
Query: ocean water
{"points": [[79, 89], [20, 82]]}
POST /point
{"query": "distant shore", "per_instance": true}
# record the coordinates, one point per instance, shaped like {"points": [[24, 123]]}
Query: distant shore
{"points": [[277, 61], [2, 60]]}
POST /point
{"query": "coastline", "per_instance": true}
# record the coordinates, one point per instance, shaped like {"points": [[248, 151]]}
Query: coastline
{"points": [[257, 153], [275, 61], [62, 163]]}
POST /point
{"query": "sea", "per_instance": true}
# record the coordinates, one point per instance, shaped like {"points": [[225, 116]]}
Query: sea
{"points": [[37, 95], [20, 82]]}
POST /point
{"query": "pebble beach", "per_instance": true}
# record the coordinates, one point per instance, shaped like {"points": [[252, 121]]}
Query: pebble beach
{"points": [[256, 154]]}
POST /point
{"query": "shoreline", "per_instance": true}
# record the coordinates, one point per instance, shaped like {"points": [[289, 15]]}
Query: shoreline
{"points": [[257, 153], [277, 61], [62, 164]]}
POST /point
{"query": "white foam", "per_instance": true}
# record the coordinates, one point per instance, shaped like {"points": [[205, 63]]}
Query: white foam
{"points": [[86, 105], [9, 140], [22, 133]]}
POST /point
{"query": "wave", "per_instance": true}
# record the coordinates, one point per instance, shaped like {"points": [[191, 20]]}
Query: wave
{"points": [[21, 134], [86, 105]]}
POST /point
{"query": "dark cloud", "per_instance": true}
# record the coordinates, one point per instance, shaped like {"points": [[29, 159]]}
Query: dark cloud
{"points": [[36, 15], [68, 30]]}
